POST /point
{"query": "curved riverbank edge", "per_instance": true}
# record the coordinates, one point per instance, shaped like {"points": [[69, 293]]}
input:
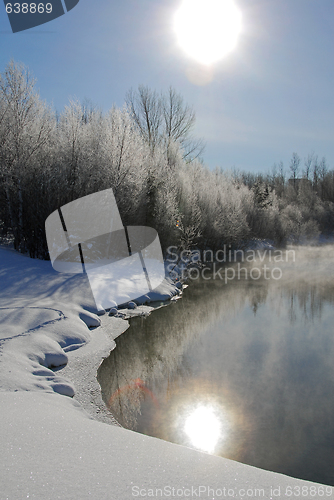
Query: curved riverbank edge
{"points": [[53, 446], [83, 364]]}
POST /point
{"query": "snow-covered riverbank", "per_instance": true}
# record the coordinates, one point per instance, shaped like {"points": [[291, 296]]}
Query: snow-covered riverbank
{"points": [[55, 446]]}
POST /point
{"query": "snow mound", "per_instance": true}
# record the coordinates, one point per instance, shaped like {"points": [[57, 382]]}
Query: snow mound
{"points": [[45, 351], [34, 333], [165, 291], [26, 362], [90, 319], [51, 449]]}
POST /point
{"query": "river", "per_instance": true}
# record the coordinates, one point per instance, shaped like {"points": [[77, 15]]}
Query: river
{"points": [[241, 368]]}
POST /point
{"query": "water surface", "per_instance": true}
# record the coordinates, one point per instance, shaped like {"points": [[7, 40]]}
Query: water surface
{"points": [[243, 370]]}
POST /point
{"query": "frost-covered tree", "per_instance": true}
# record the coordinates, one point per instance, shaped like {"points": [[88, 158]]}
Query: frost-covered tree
{"points": [[294, 165], [126, 163], [164, 119], [26, 126], [142, 152], [179, 120]]}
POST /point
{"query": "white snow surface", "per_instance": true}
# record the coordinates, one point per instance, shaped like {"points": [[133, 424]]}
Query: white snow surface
{"points": [[58, 440]]}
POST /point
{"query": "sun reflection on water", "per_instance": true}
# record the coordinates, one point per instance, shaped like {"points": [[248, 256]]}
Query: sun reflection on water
{"points": [[204, 428], [202, 415]]}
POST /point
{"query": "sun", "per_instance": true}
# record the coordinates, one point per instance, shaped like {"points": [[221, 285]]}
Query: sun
{"points": [[207, 30]]}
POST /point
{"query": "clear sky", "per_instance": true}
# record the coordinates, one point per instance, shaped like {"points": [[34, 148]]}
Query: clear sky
{"points": [[271, 96]]}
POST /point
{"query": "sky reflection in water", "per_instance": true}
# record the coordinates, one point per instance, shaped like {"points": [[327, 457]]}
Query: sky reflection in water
{"points": [[244, 371]]}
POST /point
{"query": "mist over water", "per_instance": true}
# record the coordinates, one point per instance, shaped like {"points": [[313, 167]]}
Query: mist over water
{"points": [[252, 359]]}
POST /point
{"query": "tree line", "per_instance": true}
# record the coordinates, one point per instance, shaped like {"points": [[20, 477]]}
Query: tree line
{"points": [[146, 153]]}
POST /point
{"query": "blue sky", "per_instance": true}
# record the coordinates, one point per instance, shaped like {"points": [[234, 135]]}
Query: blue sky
{"points": [[271, 96]]}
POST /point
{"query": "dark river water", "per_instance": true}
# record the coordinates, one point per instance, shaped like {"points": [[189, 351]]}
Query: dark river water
{"points": [[244, 370]]}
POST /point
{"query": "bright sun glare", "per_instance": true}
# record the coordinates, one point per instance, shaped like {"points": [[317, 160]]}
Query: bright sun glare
{"points": [[207, 30], [203, 428]]}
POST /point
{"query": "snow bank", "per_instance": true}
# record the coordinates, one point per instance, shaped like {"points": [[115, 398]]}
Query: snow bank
{"points": [[52, 447], [52, 450]]}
